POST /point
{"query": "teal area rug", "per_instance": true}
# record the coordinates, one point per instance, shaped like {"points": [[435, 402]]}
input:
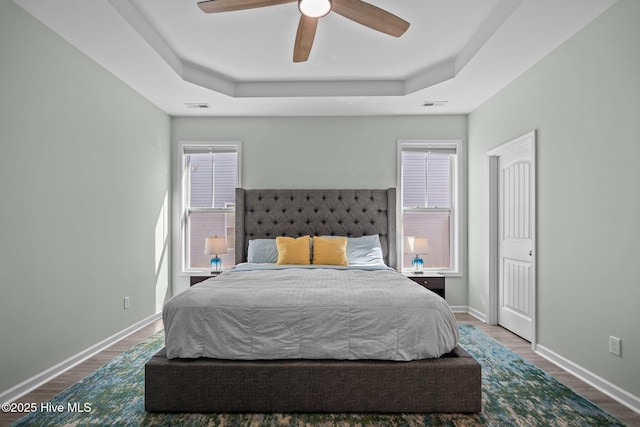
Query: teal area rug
{"points": [[515, 393]]}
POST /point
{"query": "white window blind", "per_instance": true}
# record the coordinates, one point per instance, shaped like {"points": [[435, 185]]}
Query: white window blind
{"points": [[428, 202], [210, 178], [213, 179], [426, 179]]}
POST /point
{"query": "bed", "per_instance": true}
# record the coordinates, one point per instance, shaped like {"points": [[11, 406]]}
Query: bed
{"points": [[312, 337]]}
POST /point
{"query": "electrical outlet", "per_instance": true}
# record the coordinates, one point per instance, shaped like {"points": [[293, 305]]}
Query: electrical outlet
{"points": [[126, 303], [615, 345]]}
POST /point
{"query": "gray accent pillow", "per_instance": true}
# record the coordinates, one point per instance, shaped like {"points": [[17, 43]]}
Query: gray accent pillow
{"points": [[262, 250]]}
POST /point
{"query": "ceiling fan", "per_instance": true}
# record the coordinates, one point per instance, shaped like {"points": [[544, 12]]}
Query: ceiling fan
{"points": [[312, 10]]}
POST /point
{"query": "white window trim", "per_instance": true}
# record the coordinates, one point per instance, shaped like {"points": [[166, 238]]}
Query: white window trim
{"points": [[182, 249], [455, 231]]}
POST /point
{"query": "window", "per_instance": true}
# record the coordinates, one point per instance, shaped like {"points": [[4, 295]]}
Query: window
{"points": [[428, 197], [209, 178]]}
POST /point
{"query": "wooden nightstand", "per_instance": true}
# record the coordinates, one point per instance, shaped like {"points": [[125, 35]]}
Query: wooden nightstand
{"points": [[433, 281], [197, 279]]}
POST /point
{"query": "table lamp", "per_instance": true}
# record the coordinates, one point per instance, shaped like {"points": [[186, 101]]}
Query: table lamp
{"points": [[215, 246], [418, 245]]}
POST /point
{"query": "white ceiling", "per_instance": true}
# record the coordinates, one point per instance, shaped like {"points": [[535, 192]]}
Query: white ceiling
{"points": [[240, 63]]}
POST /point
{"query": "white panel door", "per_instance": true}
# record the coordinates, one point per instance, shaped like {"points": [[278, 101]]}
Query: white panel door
{"points": [[515, 240]]}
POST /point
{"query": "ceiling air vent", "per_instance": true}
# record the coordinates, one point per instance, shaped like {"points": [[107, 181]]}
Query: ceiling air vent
{"points": [[434, 103], [197, 106]]}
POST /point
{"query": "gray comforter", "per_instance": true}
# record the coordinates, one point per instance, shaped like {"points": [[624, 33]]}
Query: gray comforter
{"points": [[303, 313]]}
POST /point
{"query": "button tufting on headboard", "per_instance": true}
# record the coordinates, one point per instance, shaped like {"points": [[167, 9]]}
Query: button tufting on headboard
{"points": [[351, 213]]}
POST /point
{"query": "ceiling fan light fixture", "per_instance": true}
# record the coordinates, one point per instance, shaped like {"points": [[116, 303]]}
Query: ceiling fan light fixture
{"points": [[314, 8]]}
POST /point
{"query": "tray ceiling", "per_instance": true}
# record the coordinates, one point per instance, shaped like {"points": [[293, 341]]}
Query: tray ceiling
{"points": [[240, 63]]}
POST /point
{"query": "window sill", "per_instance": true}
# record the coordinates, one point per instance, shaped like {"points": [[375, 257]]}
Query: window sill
{"points": [[445, 273]]}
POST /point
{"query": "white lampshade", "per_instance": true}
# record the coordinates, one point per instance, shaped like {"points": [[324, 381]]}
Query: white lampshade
{"points": [[215, 245], [418, 245]]}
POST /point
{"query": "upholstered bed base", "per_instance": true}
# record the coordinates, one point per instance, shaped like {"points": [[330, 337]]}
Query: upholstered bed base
{"points": [[451, 383], [447, 384]]}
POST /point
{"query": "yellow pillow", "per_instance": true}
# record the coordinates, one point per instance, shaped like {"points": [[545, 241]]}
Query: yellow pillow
{"points": [[293, 251], [328, 251]]}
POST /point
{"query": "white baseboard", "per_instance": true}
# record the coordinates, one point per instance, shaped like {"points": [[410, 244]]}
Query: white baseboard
{"points": [[477, 314], [36, 381], [611, 390], [458, 308]]}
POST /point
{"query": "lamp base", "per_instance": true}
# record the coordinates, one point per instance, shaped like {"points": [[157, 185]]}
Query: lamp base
{"points": [[418, 265], [216, 264]]}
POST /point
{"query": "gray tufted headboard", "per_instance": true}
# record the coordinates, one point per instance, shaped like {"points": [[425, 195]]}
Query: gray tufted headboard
{"points": [[266, 214]]}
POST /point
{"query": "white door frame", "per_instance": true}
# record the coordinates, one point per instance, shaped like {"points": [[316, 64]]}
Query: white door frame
{"points": [[492, 156]]}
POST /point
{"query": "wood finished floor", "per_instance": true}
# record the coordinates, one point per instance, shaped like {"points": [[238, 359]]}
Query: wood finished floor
{"points": [[515, 343]]}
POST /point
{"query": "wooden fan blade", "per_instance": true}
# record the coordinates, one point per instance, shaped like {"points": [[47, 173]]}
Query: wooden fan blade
{"points": [[304, 38], [215, 6], [370, 16]]}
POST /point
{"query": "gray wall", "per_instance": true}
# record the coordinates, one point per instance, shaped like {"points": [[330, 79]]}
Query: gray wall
{"points": [[584, 101], [322, 152], [84, 173]]}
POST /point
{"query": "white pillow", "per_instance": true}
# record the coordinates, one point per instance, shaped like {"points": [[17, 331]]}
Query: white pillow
{"points": [[365, 250]]}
